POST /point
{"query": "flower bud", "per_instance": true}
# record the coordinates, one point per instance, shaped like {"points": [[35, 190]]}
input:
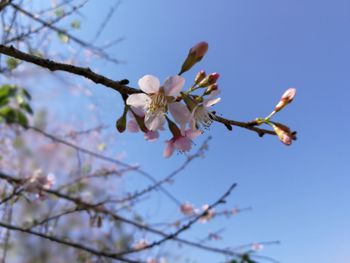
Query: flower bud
{"points": [[211, 88], [286, 98], [195, 54], [200, 76], [284, 133], [200, 49], [208, 80]]}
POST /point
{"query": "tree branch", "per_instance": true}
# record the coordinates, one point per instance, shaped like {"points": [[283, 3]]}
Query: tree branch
{"points": [[56, 66], [67, 243]]}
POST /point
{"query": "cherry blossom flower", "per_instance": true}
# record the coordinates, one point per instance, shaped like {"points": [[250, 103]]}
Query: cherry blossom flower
{"points": [[140, 244], [182, 143], [210, 213], [133, 126], [157, 100], [257, 246], [201, 116], [187, 209], [38, 180]]}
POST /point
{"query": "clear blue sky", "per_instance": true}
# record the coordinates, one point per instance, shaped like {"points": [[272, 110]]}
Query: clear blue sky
{"points": [[299, 194]]}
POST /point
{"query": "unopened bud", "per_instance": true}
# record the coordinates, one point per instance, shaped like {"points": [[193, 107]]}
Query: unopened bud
{"points": [[211, 88], [284, 133], [200, 76], [286, 98], [195, 54], [208, 80]]}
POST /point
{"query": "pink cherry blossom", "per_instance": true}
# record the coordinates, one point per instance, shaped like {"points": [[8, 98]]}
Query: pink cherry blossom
{"points": [[140, 244], [182, 143], [201, 116], [133, 126], [187, 209], [157, 100], [210, 213]]}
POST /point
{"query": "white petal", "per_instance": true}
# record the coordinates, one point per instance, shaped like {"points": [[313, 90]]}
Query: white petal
{"points": [[149, 84], [180, 113], [213, 94], [210, 103], [173, 85], [139, 100], [154, 121]]}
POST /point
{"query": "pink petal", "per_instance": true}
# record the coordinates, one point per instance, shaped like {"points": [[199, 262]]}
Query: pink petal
{"points": [[169, 149], [180, 113], [138, 111], [289, 94], [173, 85], [154, 120], [149, 84], [212, 102], [132, 126], [140, 100], [183, 144], [151, 136], [192, 134]]}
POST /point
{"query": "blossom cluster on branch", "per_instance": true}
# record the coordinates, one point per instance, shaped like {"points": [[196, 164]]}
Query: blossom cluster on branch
{"points": [[190, 109]]}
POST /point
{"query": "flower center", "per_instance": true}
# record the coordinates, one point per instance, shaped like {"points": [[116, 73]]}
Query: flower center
{"points": [[158, 102], [203, 117]]}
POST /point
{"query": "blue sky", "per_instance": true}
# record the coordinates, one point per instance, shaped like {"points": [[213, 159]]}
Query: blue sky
{"points": [[299, 194]]}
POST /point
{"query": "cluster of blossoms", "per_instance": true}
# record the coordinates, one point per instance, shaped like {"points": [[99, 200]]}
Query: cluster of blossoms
{"points": [[189, 210], [150, 110], [38, 181]]}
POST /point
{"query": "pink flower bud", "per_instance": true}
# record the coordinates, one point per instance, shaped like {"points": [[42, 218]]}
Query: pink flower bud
{"points": [[200, 49], [213, 77], [283, 132], [210, 79], [211, 88], [200, 76], [195, 54], [286, 98]]}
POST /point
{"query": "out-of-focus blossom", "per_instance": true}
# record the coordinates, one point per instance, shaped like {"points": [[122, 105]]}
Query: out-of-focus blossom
{"points": [[38, 181], [187, 209], [155, 260], [156, 99], [140, 244], [257, 246], [210, 213]]}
